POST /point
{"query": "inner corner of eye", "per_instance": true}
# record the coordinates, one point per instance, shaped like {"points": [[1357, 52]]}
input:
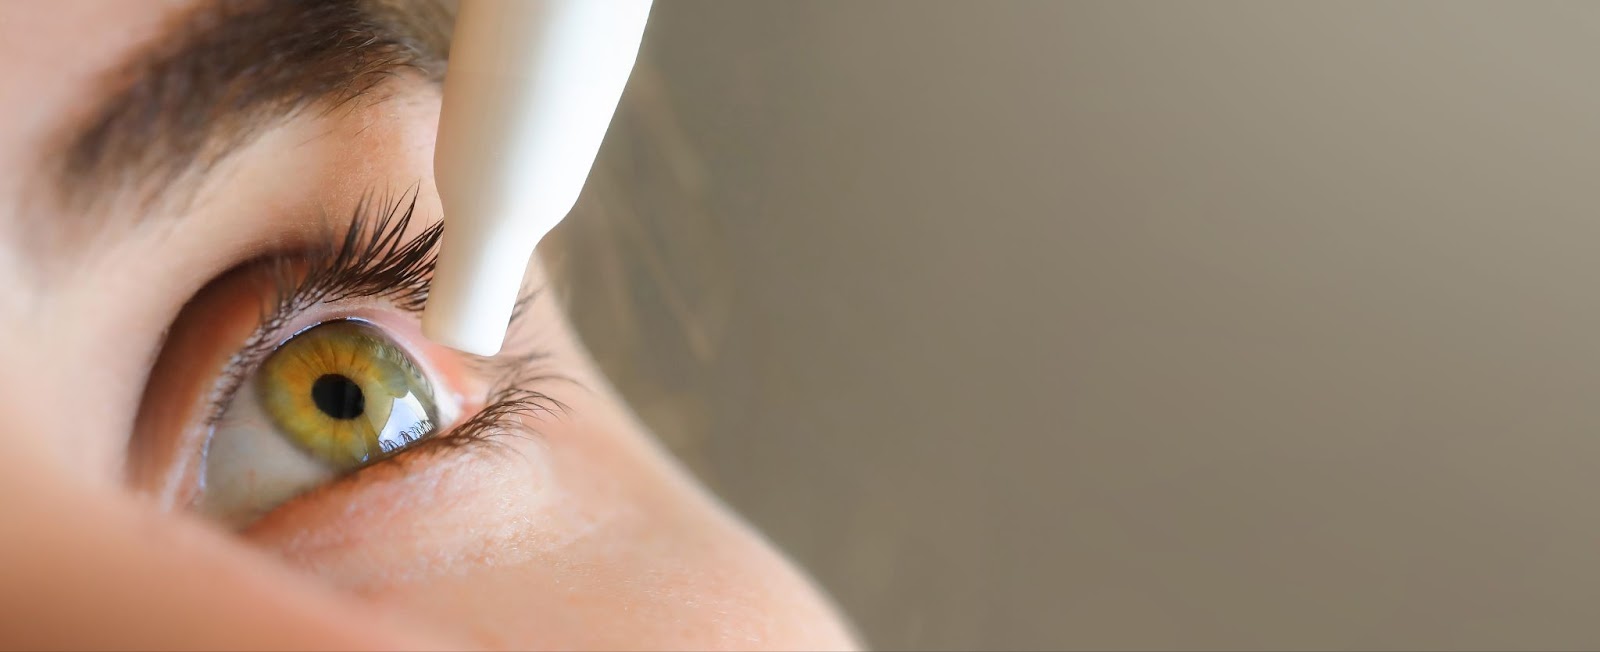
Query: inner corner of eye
{"points": [[332, 398]]}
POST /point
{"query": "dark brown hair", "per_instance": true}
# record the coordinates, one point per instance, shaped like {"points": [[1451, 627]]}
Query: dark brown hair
{"points": [[221, 73]]}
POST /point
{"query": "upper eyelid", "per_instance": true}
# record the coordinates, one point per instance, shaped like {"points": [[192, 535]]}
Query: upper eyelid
{"points": [[371, 259]]}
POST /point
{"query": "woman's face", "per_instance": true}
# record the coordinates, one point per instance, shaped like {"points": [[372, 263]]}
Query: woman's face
{"points": [[223, 426]]}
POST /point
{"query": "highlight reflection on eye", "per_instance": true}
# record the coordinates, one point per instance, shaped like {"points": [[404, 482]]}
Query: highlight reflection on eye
{"points": [[331, 399], [345, 395]]}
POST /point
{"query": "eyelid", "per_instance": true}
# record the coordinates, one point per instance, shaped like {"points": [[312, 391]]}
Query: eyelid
{"points": [[374, 258], [378, 272], [505, 413], [505, 409], [188, 395]]}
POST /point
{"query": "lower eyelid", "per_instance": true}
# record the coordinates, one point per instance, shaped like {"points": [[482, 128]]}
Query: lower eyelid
{"points": [[478, 424], [186, 394], [417, 471], [404, 485], [511, 412], [487, 430]]}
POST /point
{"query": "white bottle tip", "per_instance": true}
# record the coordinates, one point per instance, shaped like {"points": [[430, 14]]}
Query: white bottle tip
{"points": [[474, 290]]}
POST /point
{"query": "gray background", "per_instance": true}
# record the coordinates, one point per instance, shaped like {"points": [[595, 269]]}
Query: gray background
{"points": [[1122, 324]]}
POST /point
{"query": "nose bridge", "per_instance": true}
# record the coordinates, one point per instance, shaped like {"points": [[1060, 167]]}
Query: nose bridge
{"points": [[19, 291], [42, 430], [71, 378]]}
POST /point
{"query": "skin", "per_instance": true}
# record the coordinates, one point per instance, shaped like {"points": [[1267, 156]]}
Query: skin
{"points": [[586, 535]]}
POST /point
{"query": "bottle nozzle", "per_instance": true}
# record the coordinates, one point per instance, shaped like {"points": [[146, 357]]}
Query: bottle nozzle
{"points": [[530, 89]]}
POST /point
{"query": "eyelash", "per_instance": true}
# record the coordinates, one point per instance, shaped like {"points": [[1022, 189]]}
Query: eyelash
{"points": [[372, 260]]}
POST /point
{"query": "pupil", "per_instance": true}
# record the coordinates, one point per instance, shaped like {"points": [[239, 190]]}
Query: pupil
{"points": [[338, 396]]}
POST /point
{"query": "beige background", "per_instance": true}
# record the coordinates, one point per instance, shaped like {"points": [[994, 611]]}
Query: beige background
{"points": [[1126, 325]]}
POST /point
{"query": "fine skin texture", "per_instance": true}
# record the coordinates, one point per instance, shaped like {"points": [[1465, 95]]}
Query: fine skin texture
{"points": [[582, 533]]}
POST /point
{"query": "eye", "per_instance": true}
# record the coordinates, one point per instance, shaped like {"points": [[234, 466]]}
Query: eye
{"points": [[331, 399], [345, 394]]}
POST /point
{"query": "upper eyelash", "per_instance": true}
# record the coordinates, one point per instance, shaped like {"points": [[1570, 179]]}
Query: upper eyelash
{"points": [[373, 259], [344, 269], [382, 266]]}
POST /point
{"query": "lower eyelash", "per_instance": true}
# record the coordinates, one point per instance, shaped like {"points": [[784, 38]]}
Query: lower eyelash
{"points": [[510, 407]]}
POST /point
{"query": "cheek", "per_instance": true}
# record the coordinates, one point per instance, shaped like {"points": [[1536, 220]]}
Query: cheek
{"points": [[581, 538], [629, 594]]}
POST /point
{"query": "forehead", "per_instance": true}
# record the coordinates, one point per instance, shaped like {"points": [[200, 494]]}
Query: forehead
{"points": [[56, 60]]}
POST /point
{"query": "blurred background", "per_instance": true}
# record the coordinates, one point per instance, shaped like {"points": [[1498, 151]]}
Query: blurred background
{"points": [[1124, 325]]}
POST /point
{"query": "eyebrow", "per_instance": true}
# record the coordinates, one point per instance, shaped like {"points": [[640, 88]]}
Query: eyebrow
{"points": [[227, 70]]}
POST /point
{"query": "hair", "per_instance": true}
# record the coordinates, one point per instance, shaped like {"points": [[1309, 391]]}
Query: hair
{"points": [[219, 74]]}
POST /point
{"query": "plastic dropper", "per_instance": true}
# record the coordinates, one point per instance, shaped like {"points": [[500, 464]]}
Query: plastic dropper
{"points": [[530, 89]]}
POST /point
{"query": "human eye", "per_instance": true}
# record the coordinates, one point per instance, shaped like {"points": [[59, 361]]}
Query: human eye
{"points": [[329, 400], [300, 369]]}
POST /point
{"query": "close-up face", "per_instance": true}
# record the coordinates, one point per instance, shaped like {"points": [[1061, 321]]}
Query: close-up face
{"points": [[218, 224]]}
